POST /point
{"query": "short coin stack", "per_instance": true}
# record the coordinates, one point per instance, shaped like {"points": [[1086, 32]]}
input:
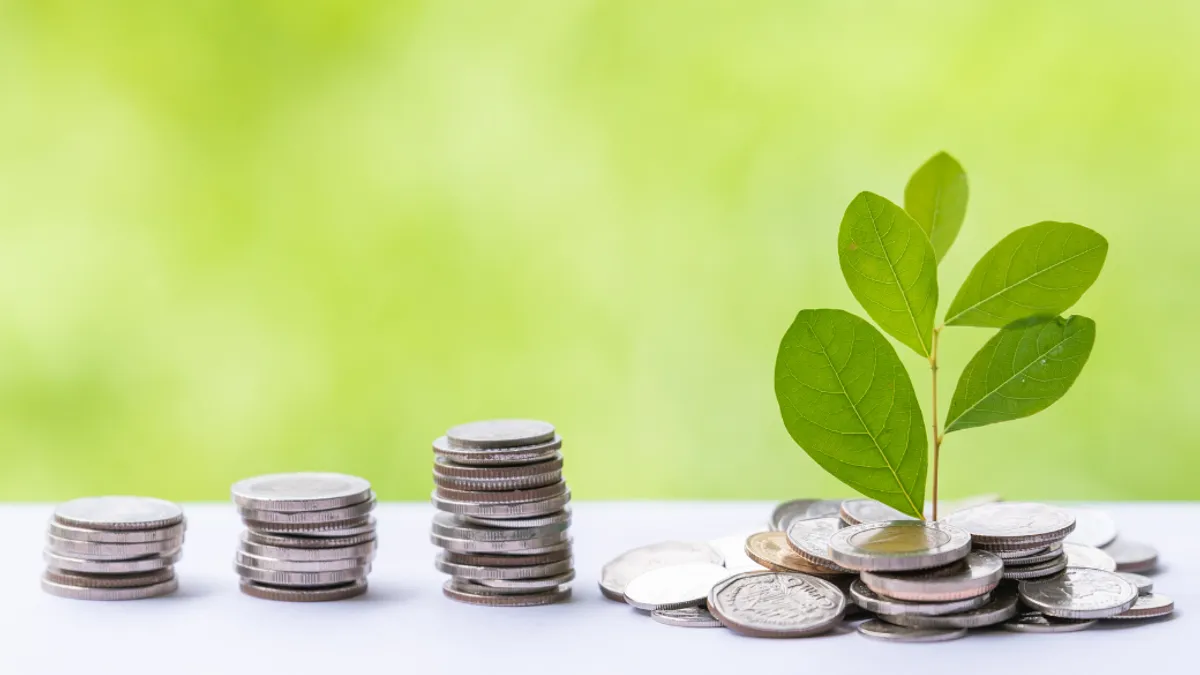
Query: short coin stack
{"points": [[113, 548], [310, 537], [505, 522]]}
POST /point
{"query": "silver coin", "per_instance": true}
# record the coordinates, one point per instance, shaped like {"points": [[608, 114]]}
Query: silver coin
{"points": [[449, 525], [274, 564], [618, 572], [1081, 555], [882, 630], [479, 572], [1020, 554], [346, 514], [1092, 528], [118, 513], [1042, 556], [503, 496], [69, 532], [1036, 571], [514, 456], [777, 604], [825, 508], [674, 586], [449, 469], [79, 580], [1132, 556], [1149, 606], [686, 617], [559, 594], [281, 578], [93, 550], [531, 585], [362, 550], [975, 575], [553, 518], [507, 559], [1036, 622], [294, 541], [91, 593], [1144, 584], [810, 539], [489, 434], [1013, 525], [898, 546], [136, 566], [871, 601], [1000, 608], [955, 505], [530, 482], [350, 528], [858, 511], [786, 512], [299, 492], [502, 511], [519, 546], [733, 551], [1080, 593], [314, 594]]}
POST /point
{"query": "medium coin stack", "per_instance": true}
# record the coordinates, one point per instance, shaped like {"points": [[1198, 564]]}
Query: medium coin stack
{"points": [[113, 548], [310, 537], [504, 521]]}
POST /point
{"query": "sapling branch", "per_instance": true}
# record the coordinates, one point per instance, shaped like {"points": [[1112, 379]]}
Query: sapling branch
{"points": [[937, 438]]}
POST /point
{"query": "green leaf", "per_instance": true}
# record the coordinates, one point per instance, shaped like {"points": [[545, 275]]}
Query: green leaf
{"points": [[1022, 370], [847, 400], [1040, 270], [936, 197], [890, 267]]}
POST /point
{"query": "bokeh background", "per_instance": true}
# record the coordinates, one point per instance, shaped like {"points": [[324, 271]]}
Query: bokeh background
{"points": [[241, 237]]}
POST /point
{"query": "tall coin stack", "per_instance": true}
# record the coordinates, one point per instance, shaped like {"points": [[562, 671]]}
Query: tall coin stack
{"points": [[504, 521], [113, 548], [309, 537]]}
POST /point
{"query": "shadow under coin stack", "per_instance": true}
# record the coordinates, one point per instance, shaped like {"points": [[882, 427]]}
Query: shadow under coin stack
{"points": [[309, 537], [113, 548], [505, 520]]}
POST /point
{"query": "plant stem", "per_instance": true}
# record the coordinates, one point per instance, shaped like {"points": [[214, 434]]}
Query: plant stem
{"points": [[937, 438]]}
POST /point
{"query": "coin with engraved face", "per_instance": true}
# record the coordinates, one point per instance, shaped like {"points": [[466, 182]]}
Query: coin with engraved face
{"points": [[300, 492], [1036, 622], [771, 550], [1144, 584], [1081, 555], [977, 574], [825, 508], [618, 572], [118, 513], [488, 434], [1080, 593], [1013, 525], [810, 539], [674, 586], [777, 604], [786, 512], [897, 546]]}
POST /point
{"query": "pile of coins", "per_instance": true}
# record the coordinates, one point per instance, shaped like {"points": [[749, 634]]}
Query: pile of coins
{"points": [[113, 548], [504, 521], [310, 537], [1024, 567]]}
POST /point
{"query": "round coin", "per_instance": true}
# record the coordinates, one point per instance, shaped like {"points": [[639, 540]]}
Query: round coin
{"points": [[295, 541], [1144, 584], [519, 546], [523, 600], [810, 539], [281, 578], [1000, 608], [349, 528], [786, 512], [92, 593], [274, 564], [313, 594], [553, 518], [882, 630], [858, 511], [777, 604], [518, 455], [490, 434], [479, 572], [557, 555], [502, 511], [346, 514], [897, 546], [1082, 555], [1036, 622], [93, 550], [118, 513], [1042, 556], [299, 492], [449, 525], [503, 496], [57, 529], [1036, 571], [825, 508], [686, 617], [975, 575], [79, 580], [674, 586], [871, 601], [532, 585], [1092, 528], [137, 566], [618, 572], [535, 481], [733, 550], [1013, 525], [362, 550], [448, 469], [1132, 556], [1021, 554], [1080, 593], [1148, 607], [771, 550]]}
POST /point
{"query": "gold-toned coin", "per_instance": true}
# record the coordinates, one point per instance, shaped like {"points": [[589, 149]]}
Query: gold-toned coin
{"points": [[771, 550]]}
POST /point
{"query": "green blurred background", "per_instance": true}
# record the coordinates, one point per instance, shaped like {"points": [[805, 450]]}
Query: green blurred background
{"points": [[242, 237]]}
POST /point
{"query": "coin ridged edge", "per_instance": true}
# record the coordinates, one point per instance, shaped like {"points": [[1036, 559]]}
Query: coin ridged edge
{"points": [[525, 600], [110, 594], [309, 594]]}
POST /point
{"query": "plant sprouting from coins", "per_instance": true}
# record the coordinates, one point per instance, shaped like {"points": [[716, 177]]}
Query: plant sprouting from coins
{"points": [[845, 397]]}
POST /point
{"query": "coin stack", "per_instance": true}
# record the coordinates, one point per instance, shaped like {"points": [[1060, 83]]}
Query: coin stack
{"points": [[504, 522], [113, 548], [309, 537]]}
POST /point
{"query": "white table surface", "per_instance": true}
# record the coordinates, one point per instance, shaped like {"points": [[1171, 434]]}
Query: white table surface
{"points": [[404, 625]]}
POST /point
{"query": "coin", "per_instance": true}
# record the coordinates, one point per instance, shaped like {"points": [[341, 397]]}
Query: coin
{"points": [[686, 617], [898, 546], [490, 434], [306, 554], [1132, 556], [502, 511], [825, 508], [1080, 593], [349, 528], [503, 496], [1036, 571], [454, 527], [476, 572], [1042, 556], [786, 512], [1081, 555], [858, 511], [517, 546], [524, 454], [294, 541], [136, 566], [733, 551], [281, 578], [106, 551], [1092, 528], [543, 480], [559, 554], [1000, 608], [1021, 554], [275, 564], [448, 469], [61, 531], [523, 600], [881, 630], [1036, 622], [1013, 525], [618, 572], [313, 594], [1144, 584], [674, 586], [560, 516], [871, 601], [347, 514], [1148, 607], [810, 539], [529, 585], [975, 575], [91, 593], [777, 604], [771, 550], [79, 580], [118, 513], [299, 492]]}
